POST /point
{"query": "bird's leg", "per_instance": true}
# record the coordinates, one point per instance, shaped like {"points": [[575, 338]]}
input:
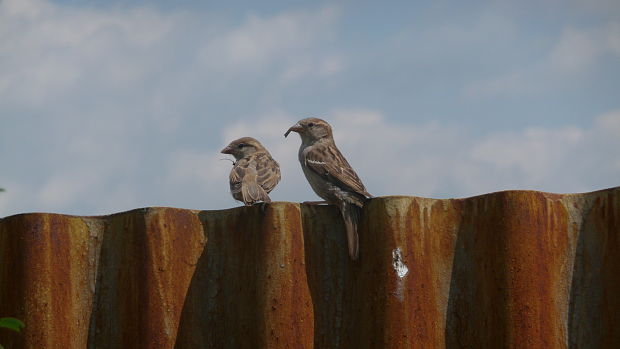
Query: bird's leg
{"points": [[312, 203]]}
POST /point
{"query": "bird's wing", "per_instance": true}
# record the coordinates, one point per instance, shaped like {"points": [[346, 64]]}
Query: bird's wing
{"points": [[244, 179], [268, 171], [326, 160], [236, 175]]}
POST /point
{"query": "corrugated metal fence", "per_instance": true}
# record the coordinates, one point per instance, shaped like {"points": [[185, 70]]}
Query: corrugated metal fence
{"points": [[515, 269]]}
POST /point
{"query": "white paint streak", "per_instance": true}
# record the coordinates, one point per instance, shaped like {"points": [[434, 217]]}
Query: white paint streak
{"points": [[397, 262], [401, 270]]}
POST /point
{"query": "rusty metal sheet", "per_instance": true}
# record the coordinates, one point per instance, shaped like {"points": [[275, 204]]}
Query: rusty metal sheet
{"points": [[513, 269]]}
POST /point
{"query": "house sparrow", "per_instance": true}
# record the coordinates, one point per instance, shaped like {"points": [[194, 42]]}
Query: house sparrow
{"points": [[330, 175], [254, 174]]}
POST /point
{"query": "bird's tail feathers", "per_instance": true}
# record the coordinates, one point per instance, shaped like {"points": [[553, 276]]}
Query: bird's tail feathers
{"points": [[252, 192], [351, 215]]}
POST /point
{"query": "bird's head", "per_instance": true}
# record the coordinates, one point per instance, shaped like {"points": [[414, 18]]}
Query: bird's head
{"points": [[242, 147], [311, 130]]}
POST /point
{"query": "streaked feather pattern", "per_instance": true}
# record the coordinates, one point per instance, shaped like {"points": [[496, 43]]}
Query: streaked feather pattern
{"points": [[331, 176], [255, 173]]}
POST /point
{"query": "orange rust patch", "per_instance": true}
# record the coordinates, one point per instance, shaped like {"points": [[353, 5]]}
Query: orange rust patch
{"points": [[513, 269]]}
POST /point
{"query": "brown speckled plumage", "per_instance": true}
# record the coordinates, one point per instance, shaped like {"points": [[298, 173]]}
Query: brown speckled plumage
{"points": [[330, 175], [254, 174]]}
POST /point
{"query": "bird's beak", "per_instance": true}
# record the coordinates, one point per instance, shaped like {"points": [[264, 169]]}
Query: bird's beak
{"points": [[295, 128], [227, 150]]}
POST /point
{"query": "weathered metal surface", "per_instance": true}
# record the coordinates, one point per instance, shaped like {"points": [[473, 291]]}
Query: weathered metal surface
{"points": [[514, 269], [249, 289]]}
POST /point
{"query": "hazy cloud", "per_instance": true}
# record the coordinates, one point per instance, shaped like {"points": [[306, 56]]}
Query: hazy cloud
{"points": [[579, 49], [576, 51], [110, 108], [434, 159], [100, 96]]}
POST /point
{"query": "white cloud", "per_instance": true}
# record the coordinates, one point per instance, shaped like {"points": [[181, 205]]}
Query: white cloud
{"points": [[516, 82], [579, 49], [429, 160], [612, 39], [112, 109], [50, 51], [102, 95], [531, 158], [576, 52], [261, 41], [204, 172], [284, 45], [434, 159], [66, 188], [195, 178], [304, 67]]}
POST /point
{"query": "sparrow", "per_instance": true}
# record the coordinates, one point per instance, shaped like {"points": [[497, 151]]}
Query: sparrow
{"points": [[330, 175], [254, 174]]}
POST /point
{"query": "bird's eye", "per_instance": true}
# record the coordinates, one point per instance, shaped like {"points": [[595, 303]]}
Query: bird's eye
{"points": [[241, 146], [311, 124]]}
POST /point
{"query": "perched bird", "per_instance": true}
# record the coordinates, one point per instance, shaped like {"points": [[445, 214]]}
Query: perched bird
{"points": [[330, 175], [254, 174]]}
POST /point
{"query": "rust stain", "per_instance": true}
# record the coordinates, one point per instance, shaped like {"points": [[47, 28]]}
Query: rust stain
{"points": [[45, 279], [249, 289], [513, 269]]}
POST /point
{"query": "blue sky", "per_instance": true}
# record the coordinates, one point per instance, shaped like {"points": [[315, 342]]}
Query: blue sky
{"points": [[113, 105]]}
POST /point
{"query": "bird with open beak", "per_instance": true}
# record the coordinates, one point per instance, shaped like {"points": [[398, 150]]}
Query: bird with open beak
{"points": [[254, 174], [330, 175]]}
